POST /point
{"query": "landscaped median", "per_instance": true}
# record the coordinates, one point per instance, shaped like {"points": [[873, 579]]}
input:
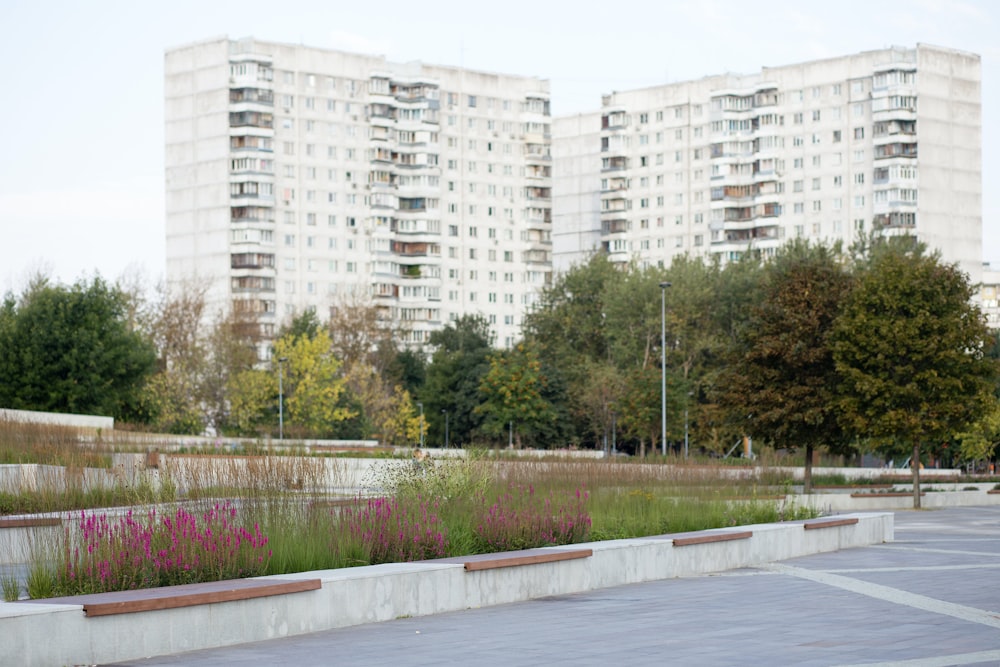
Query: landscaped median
{"points": [[182, 619]]}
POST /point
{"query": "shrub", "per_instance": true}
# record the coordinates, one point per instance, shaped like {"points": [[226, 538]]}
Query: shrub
{"points": [[128, 552]]}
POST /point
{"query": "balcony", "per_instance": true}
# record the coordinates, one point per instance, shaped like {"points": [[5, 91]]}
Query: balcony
{"points": [[538, 193], [251, 96], [616, 226], [252, 260], [258, 119], [614, 163], [898, 149]]}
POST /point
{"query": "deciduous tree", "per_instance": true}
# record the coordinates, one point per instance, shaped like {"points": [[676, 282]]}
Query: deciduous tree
{"points": [[910, 348]]}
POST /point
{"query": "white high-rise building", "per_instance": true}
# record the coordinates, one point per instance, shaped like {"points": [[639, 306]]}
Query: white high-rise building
{"points": [[296, 176], [824, 150]]}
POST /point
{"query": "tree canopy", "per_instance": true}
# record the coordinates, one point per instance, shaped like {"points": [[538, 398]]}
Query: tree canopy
{"points": [[72, 349], [910, 348]]}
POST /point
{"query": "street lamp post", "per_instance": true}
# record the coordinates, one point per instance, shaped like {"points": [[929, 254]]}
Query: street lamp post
{"points": [[421, 406], [281, 399], [663, 367], [445, 413]]}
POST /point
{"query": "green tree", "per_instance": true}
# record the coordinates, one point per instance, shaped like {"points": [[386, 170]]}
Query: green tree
{"points": [[782, 382], [514, 391], [312, 383], [570, 326], [460, 360], [253, 402], [175, 398], [911, 351], [72, 349]]}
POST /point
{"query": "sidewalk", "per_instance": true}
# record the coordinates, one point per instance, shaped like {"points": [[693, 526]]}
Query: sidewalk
{"points": [[930, 598]]}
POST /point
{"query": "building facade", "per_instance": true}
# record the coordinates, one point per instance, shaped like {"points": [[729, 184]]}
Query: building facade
{"points": [[299, 178], [825, 150]]}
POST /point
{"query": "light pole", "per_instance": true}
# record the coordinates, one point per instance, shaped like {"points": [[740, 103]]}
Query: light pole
{"points": [[445, 413], [690, 394], [663, 367], [281, 399], [421, 406]]}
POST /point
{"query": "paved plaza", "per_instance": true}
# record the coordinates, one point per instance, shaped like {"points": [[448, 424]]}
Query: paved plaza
{"points": [[929, 599]]}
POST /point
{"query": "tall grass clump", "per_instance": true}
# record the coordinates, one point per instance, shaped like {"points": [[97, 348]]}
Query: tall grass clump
{"points": [[47, 444], [388, 530], [521, 519], [103, 553]]}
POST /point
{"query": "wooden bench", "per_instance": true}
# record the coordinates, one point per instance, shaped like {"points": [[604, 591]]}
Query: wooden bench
{"points": [[829, 523], [185, 595], [711, 537], [31, 522], [527, 557]]}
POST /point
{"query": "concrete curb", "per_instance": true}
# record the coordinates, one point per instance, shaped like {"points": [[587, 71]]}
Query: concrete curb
{"points": [[383, 592]]}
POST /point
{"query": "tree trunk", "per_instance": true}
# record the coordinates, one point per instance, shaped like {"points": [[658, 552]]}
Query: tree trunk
{"points": [[915, 468], [807, 485], [642, 448]]}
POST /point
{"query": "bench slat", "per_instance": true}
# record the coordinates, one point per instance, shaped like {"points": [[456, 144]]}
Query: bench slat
{"points": [[714, 537], [160, 601], [813, 525], [534, 559]]}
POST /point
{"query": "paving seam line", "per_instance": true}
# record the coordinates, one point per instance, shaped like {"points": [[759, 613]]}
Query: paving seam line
{"points": [[893, 595]]}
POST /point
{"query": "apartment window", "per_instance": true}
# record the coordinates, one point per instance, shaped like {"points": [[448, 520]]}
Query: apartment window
{"points": [[858, 109], [859, 155], [859, 201], [643, 118], [816, 184], [837, 181], [797, 186], [836, 136], [799, 207], [816, 160], [797, 163], [310, 218], [817, 206], [816, 115], [859, 178], [835, 89], [797, 117]]}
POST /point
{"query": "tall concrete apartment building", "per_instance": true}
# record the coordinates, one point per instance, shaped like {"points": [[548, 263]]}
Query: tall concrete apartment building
{"points": [[297, 176], [824, 150]]}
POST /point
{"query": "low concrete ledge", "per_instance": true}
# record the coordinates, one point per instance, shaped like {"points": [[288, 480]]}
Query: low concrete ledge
{"points": [[709, 538], [529, 557], [376, 593], [891, 494], [186, 595], [829, 523]]}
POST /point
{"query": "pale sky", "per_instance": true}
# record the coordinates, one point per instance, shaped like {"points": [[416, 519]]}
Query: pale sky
{"points": [[81, 123]]}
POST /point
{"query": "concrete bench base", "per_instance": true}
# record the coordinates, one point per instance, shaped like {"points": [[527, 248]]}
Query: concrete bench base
{"points": [[376, 593], [187, 595]]}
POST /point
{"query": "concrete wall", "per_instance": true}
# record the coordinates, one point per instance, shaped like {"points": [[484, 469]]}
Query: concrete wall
{"points": [[840, 502], [385, 592], [58, 419]]}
